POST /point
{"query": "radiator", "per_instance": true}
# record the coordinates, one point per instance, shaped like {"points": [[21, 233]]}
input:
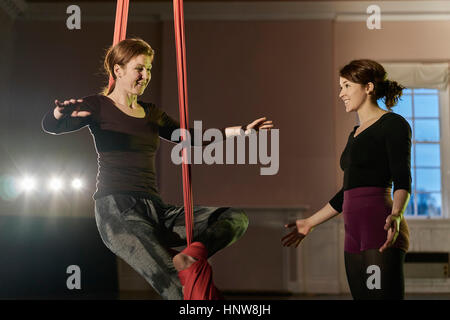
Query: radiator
{"points": [[426, 265]]}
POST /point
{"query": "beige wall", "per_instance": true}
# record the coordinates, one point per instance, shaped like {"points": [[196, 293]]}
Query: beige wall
{"points": [[240, 71]]}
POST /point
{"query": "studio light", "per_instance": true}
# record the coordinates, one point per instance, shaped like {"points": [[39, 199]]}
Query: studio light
{"points": [[27, 184], [55, 184], [77, 184]]}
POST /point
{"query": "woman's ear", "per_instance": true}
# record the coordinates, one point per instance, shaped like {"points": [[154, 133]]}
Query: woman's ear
{"points": [[370, 88], [118, 71]]}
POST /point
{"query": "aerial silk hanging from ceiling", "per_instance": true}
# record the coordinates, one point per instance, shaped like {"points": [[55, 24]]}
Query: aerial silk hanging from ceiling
{"points": [[197, 279]]}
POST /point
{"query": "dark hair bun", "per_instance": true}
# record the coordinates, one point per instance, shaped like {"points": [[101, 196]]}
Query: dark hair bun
{"points": [[391, 91]]}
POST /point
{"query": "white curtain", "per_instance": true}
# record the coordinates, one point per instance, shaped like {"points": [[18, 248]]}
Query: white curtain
{"points": [[419, 75]]}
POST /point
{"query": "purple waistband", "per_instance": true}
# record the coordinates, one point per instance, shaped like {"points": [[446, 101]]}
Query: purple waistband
{"points": [[367, 191]]}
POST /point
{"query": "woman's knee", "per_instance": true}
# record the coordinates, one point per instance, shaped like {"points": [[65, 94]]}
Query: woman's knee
{"points": [[239, 221]]}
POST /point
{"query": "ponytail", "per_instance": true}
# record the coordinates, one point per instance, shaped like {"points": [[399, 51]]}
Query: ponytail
{"points": [[390, 91]]}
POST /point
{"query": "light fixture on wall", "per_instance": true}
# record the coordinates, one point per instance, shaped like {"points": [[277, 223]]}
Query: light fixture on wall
{"points": [[77, 184], [27, 184], [55, 184]]}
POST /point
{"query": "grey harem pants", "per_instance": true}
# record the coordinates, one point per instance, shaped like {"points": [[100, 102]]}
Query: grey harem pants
{"points": [[140, 231]]}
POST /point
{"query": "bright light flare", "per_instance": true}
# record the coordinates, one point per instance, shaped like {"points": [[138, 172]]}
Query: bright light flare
{"points": [[27, 184], [55, 184], [77, 184]]}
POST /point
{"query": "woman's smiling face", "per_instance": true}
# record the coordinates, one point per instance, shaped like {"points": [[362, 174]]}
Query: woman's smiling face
{"points": [[135, 75], [353, 94]]}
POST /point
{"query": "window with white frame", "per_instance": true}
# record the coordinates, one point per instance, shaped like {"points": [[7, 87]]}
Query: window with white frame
{"points": [[421, 108], [425, 105]]}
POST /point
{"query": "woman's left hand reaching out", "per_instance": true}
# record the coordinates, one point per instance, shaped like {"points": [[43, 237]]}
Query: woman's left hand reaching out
{"points": [[259, 124]]}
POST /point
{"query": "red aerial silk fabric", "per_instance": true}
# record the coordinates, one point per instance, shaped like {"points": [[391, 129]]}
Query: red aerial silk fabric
{"points": [[120, 26], [184, 112], [197, 279]]}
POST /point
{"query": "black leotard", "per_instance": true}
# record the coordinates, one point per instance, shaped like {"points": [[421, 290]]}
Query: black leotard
{"points": [[377, 157]]}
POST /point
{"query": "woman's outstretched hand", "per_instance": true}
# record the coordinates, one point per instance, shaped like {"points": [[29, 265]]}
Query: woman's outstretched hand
{"points": [[71, 107], [393, 229], [259, 124], [297, 235]]}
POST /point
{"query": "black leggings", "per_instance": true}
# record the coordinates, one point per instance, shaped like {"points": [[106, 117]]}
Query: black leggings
{"points": [[373, 275]]}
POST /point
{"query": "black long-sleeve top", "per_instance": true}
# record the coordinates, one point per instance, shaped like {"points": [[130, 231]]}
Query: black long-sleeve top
{"points": [[126, 145], [377, 157]]}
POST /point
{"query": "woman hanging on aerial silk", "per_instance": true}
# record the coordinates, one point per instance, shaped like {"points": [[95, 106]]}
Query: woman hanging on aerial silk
{"points": [[133, 221]]}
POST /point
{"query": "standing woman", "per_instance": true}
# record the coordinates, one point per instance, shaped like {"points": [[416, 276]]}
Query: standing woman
{"points": [[133, 221], [377, 155]]}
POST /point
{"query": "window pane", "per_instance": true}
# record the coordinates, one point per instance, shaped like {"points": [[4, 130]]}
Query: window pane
{"points": [[428, 180], [429, 204], [435, 91], [425, 181], [426, 130], [404, 107], [410, 208], [428, 155], [412, 127], [426, 106], [381, 104]]}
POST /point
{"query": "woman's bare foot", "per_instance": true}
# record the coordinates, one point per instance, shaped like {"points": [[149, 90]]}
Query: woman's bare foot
{"points": [[182, 261]]}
